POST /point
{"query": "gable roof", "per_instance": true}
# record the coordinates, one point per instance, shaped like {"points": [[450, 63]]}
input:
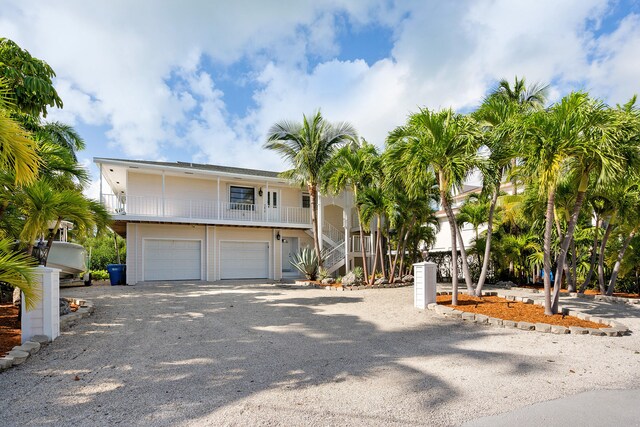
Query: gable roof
{"points": [[198, 166]]}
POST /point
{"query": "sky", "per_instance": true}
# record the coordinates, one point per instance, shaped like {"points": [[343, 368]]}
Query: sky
{"points": [[203, 81]]}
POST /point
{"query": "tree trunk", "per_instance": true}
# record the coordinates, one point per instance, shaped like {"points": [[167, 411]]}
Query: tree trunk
{"points": [[313, 196], [548, 228], [594, 257], [454, 250], [50, 238], [465, 263], [616, 267], [564, 248], [362, 248], [394, 264], [379, 237], [571, 286], [404, 248], [372, 277], [603, 247], [487, 248]]}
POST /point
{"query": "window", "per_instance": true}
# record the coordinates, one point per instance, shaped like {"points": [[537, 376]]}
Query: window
{"points": [[306, 200], [242, 198]]}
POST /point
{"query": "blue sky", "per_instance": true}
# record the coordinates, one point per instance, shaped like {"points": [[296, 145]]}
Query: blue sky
{"points": [[203, 81]]}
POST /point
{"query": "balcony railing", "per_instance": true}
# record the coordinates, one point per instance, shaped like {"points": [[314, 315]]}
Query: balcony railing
{"points": [[355, 244], [148, 206]]}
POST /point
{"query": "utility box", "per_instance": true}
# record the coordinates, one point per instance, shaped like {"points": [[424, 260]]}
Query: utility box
{"points": [[424, 285], [44, 319]]}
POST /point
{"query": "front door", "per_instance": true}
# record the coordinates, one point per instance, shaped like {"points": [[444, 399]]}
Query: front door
{"points": [[289, 248]]}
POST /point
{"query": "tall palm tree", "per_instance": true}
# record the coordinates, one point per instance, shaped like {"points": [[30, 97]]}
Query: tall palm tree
{"points": [[474, 211], [498, 116], [441, 144], [308, 147], [373, 207], [354, 168]]}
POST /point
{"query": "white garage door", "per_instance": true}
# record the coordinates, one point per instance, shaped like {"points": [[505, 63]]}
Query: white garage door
{"points": [[172, 260], [244, 260]]}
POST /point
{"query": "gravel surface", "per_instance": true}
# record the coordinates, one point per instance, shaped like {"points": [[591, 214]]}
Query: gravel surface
{"points": [[249, 354]]}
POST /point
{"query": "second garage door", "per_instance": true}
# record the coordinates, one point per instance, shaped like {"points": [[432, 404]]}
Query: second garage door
{"points": [[172, 260], [244, 260]]}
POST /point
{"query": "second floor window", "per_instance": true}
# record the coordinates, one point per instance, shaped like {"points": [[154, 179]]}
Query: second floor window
{"points": [[241, 197], [306, 200]]}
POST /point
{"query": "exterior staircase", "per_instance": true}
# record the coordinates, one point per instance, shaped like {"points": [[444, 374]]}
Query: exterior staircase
{"points": [[333, 245]]}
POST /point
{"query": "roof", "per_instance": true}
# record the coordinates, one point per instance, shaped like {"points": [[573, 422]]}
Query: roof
{"points": [[199, 166]]}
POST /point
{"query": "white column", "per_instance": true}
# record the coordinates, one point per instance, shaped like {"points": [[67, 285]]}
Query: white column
{"points": [[100, 167], [319, 219], [44, 319], [424, 287], [264, 201], [163, 194], [219, 213], [347, 227]]}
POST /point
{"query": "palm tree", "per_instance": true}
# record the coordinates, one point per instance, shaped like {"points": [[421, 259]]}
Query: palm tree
{"points": [[441, 144], [17, 149], [16, 270], [373, 206], [353, 167], [309, 146], [498, 116], [474, 211]]}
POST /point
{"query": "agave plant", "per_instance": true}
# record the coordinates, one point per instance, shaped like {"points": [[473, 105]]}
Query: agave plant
{"points": [[306, 262]]}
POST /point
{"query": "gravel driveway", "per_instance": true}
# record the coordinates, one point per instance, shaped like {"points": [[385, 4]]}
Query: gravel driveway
{"points": [[249, 354]]}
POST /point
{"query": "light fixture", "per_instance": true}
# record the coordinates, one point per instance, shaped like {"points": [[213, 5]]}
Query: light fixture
{"points": [[278, 236], [260, 192]]}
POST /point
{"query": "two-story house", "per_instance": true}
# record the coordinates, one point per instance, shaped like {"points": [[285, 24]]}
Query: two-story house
{"points": [[188, 221]]}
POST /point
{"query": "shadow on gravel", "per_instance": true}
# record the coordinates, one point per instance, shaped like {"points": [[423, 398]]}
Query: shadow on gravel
{"points": [[200, 347]]}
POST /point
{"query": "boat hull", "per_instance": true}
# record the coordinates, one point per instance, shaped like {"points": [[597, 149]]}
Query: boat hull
{"points": [[70, 258]]}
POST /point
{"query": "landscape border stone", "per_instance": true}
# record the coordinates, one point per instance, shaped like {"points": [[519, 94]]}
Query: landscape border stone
{"points": [[606, 298], [615, 329], [308, 284], [20, 353]]}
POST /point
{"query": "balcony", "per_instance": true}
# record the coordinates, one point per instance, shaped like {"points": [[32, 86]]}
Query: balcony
{"points": [[204, 211]]}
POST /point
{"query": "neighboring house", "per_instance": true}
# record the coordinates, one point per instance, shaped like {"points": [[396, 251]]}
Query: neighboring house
{"points": [[443, 237], [189, 221]]}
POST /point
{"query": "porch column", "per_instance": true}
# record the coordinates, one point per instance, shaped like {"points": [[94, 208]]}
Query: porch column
{"points": [[319, 219], [219, 210], [347, 227], [264, 201], [163, 194], [100, 168]]}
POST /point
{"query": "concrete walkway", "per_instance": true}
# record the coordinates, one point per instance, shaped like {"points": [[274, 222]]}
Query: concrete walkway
{"points": [[252, 354]]}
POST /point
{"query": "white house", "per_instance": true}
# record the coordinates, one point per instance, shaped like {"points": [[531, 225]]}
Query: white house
{"points": [[188, 221]]}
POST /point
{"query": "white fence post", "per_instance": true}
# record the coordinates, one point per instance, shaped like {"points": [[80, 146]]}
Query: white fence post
{"points": [[424, 289], [44, 319]]}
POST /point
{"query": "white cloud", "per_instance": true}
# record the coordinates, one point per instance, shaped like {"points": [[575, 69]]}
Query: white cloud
{"points": [[138, 68]]}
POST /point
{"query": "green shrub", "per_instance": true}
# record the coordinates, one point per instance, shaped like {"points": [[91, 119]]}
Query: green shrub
{"points": [[359, 273], [99, 275], [323, 273]]}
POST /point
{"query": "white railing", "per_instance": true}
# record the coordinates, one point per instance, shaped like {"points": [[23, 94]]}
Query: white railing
{"points": [[333, 233], [203, 209], [355, 244], [333, 257]]}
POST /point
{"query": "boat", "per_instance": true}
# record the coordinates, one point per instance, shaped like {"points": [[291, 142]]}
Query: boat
{"points": [[69, 258]]}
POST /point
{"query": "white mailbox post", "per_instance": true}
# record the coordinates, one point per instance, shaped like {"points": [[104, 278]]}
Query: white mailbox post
{"points": [[44, 319], [424, 289]]}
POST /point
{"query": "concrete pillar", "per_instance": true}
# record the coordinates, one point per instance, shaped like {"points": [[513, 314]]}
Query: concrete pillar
{"points": [[424, 289], [44, 319]]}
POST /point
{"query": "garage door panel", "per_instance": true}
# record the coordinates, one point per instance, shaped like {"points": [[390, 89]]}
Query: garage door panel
{"points": [[244, 260], [172, 259]]}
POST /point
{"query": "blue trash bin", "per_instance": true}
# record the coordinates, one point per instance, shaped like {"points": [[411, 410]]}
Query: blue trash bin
{"points": [[117, 274]]}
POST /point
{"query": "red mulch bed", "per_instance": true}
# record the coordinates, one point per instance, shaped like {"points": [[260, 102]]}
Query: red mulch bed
{"points": [[501, 308], [9, 328]]}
